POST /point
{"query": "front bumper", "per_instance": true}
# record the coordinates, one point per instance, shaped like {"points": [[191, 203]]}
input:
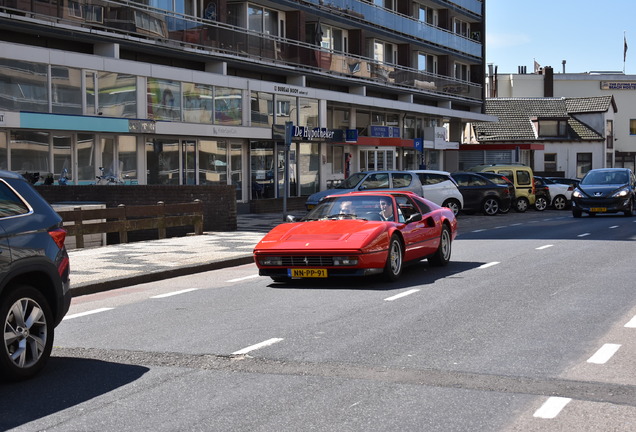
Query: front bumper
{"points": [[601, 205]]}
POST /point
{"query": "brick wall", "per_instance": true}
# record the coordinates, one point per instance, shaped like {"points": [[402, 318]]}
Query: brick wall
{"points": [[219, 201]]}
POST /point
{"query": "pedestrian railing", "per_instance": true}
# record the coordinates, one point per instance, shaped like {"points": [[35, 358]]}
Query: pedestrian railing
{"points": [[124, 219]]}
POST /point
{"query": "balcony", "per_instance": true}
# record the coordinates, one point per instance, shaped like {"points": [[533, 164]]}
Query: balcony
{"points": [[223, 42]]}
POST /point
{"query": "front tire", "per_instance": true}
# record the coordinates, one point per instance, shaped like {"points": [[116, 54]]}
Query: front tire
{"points": [[576, 213], [394, 261], [630, 212], [27, 323], [443, 253]]}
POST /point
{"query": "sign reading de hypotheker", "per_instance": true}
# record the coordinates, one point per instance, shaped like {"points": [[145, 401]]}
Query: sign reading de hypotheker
{"points": [[302, 133]]}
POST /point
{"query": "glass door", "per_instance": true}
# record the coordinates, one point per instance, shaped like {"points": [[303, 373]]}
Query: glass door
{"points": [[377, 159]]}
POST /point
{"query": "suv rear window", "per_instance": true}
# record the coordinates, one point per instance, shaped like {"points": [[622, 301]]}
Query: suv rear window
{"points": [[401, 180], [523, 178], [10, 203]]}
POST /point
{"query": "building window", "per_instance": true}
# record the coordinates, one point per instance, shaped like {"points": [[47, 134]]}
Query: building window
{"points": [[553, 128], [461, 27], [228, 106], [384, 52], [462, 71], [164, 99], [261, 107], [335, 157], [583, 164], [117, 94], [632, 126], [24, 86], [550, 162], [427, 15]]}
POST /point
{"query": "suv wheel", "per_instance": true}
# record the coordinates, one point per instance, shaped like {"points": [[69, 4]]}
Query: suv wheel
{"points": [[27, 324], [452, 204], [521, 205]]}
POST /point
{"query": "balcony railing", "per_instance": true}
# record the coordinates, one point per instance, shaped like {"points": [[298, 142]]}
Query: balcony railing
{"points": [[227, 42]]}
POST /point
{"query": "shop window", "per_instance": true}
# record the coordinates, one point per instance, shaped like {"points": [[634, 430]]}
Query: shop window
{"points": [[66, 90], [335, 158], [127, 155], [85, 159], [24, 86], [261, 108], [62, 161], [228, 106], [197, 103], [29, 152], [164, 99], [118, 94]]}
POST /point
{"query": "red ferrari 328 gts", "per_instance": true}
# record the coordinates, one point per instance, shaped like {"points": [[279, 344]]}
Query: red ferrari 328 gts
{"points": [[358, 234]]}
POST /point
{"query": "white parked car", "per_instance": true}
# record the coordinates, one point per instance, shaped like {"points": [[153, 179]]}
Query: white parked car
{"points": [[561, 193], [439, 187]]}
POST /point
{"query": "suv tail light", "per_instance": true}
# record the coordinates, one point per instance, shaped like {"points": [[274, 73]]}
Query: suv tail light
{"points": [[59, 236]]}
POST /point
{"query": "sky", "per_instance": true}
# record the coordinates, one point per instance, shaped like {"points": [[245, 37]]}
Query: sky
{"points": [[587, 34]]}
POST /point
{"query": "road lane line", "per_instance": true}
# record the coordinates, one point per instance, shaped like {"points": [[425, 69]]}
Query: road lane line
{"points": [[614, 226], [170, 294], [478, 230], [552, 407], [544, 247], [604, 354], [244, 278], [90, 312], [268, 342], [631, 323], [490, 264], [404, 294], [584, 235]]}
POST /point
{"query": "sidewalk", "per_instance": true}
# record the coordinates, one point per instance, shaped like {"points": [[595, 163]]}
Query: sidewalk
{"points": [[115, 266]]}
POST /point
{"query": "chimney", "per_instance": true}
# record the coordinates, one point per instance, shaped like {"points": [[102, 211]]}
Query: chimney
{"points": [[563, 63], [548, 81]]}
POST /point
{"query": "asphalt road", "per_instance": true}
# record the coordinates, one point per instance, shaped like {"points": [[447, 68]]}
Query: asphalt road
{"points": [[530, 328]]}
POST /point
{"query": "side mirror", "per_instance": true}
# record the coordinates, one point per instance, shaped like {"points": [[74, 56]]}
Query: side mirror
{"points": [[290, 218]]}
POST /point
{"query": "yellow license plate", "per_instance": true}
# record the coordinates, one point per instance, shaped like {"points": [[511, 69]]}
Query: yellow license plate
{"points": [[307, 273], [310, 206], [598, 209]]}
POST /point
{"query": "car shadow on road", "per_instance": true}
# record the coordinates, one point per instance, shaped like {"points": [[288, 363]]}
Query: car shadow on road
{"points": [[63, 383], [414, 274]]}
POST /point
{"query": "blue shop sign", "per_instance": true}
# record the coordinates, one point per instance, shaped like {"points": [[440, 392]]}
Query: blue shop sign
{"points": [[384, 131]]}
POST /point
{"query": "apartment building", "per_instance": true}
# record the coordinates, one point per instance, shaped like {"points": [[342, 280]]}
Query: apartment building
{"points": [[198, 91]]}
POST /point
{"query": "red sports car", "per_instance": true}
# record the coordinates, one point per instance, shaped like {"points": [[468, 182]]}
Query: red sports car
{"points": [[358, 234]]}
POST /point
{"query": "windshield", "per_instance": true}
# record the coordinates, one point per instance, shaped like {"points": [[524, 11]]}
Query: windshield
{"points": [[352, 181], [605, 178], [366, 207]]}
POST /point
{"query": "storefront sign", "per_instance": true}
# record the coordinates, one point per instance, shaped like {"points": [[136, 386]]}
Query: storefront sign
{"points": [[384, 131], [618, 85], [418, 143], [304, 133], [351, 135], [141, 126], [1, 119], [290, 90]]}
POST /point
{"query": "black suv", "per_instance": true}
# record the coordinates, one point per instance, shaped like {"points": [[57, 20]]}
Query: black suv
{"points": [[34, 277]]}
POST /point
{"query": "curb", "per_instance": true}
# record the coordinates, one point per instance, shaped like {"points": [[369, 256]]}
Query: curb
{"points": [[95, 287]]}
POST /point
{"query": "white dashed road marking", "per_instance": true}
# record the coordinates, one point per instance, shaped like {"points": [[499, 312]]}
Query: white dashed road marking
{"points": [[544, 247], [604, 354], [91, 312], [631, 323], [244, 278], [404, 294], [490, 264], [583, 235], [170, 294], [257, 346], [552, 407]]}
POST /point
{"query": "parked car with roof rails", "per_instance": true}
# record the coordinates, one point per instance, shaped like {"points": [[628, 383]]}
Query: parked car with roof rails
{"points": [[34, 277], [401, 181], [561, 193], [502, 180], [605, 190], [439, 187], [542, 194], [522, 177], [481, 194]]}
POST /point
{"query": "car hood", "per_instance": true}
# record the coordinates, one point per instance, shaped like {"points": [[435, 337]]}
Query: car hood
{"points": [[600, 190], [324, 235], [318, 196]]}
